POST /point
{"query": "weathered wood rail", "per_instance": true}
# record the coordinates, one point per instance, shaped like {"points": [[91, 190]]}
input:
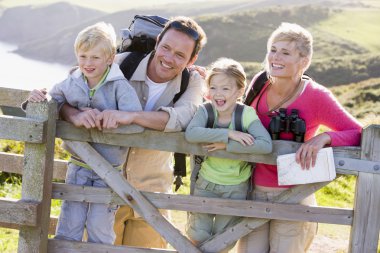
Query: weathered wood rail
{"points": [[31, 214]]}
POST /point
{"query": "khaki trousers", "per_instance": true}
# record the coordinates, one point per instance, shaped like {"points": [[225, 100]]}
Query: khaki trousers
{"points": [[132, 230], [279, 236]]}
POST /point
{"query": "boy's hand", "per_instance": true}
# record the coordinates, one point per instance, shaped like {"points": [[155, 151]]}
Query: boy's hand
{"points": [[85, 118], [215, 146], [37, 96], [243, 138]]}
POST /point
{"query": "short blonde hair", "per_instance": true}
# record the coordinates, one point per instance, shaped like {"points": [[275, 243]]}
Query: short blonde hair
{"points": [[92, 35], [294, 33], [229, 67]]}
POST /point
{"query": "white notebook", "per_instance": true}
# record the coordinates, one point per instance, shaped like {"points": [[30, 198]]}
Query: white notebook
{"points": [[290, 172]]}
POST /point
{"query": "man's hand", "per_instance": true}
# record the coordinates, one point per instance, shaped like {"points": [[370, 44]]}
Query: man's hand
{"points": [[243, 138], [110, 119], [215, 146], [37, 96], [86, 117]]}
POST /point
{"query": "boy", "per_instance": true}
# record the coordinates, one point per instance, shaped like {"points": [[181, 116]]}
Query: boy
{"points": [[97, 84]]}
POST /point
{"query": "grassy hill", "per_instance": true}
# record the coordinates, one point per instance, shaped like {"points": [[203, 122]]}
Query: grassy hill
{"points": [[361, 99], [359, 26], [345, 31]]}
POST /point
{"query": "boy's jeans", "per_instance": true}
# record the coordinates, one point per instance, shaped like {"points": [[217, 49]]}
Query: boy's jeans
{"points": [[75, 216]]}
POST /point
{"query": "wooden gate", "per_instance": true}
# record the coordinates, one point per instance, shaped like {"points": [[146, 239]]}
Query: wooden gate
{"points": [[31, 214]]}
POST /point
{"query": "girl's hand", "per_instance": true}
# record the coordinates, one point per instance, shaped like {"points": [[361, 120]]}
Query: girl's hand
{"points": [[37, 96], [243, 138], [307, 153], [215, 146]]}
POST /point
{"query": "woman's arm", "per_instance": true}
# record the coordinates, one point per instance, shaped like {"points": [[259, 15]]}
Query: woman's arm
{"points": [[345, 129]]}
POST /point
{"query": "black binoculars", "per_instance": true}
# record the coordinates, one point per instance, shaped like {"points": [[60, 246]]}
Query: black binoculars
{"points": [[287, 123]]}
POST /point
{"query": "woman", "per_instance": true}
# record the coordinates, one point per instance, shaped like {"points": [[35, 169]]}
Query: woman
{"points": [[288, 57]]}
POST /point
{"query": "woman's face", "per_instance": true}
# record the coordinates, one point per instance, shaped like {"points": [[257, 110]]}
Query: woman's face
{"points": [[284, 60]]}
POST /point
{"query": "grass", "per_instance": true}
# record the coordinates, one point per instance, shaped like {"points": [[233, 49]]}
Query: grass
{"points": [[359, 26], [361, 99]]}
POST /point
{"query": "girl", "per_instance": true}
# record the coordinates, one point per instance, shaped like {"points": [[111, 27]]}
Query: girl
{"points": [[220, 177]]}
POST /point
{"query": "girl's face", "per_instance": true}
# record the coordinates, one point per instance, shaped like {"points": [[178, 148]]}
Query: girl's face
{"points": [[93, 63], [224, 92], [284, 60]]}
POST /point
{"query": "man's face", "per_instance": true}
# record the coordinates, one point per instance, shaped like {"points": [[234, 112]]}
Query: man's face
{"points": [[173, 53]]}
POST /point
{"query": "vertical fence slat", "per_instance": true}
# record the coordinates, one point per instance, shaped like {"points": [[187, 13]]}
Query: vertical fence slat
{"points": [[364, 235], [37, 179]]}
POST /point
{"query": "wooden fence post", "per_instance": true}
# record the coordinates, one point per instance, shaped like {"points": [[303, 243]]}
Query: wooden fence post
{"points": [[366, 224], [37, 178]]}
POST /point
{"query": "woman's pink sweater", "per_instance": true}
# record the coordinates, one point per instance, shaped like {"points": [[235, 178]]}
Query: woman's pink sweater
{"points": [[318, 107]]}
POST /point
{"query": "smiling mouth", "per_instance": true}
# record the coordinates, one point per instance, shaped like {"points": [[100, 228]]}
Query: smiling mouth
{"points": [[277, 66], [165, 65], [89, 69], [219, 102]]}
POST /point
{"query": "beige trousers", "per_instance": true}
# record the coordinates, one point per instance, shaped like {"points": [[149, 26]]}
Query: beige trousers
{"points": [[278, 236], [133, 230]]}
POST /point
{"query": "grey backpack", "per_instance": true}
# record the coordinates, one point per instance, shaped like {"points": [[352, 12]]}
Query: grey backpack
{"points": [[141, 35]]}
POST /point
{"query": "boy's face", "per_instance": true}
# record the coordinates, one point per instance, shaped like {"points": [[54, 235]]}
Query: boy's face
{"points": [[93, 63], [173, 53]]}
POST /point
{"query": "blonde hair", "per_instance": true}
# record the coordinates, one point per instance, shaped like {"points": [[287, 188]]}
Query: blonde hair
{"points": [[92, 35], [229, 67], [294, 33]]}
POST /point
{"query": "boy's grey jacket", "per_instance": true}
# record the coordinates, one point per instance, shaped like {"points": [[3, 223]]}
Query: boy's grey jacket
{"points": [[116, 93]]}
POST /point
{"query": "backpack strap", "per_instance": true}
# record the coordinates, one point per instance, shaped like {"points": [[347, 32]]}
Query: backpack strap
{"points": [[184, 83], [210, 115], [255, 88], [238, 123], [130, 63], [239, 117], [258, 84]]}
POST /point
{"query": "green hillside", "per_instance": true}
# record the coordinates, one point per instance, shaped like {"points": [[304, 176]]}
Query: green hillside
{"points": [[346, 47], [359, 26], [361, 99]]}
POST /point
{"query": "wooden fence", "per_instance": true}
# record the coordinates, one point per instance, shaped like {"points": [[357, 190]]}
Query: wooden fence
{"points": [[31, 214]]}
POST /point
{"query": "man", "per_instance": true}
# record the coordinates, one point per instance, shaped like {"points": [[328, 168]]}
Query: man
{"points": [[156, 80]]}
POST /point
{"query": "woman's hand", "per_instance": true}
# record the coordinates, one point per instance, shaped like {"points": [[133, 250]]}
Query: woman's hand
{"points": [[307, 153], [215, 146], [243, 138], [37, 96]]}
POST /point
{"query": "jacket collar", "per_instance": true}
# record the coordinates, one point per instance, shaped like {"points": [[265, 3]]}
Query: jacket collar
{"points": [[140, 74]]}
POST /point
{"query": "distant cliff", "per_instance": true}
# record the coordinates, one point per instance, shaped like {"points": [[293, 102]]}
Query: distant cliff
{"points": [[238, 30], [26, 23]]}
